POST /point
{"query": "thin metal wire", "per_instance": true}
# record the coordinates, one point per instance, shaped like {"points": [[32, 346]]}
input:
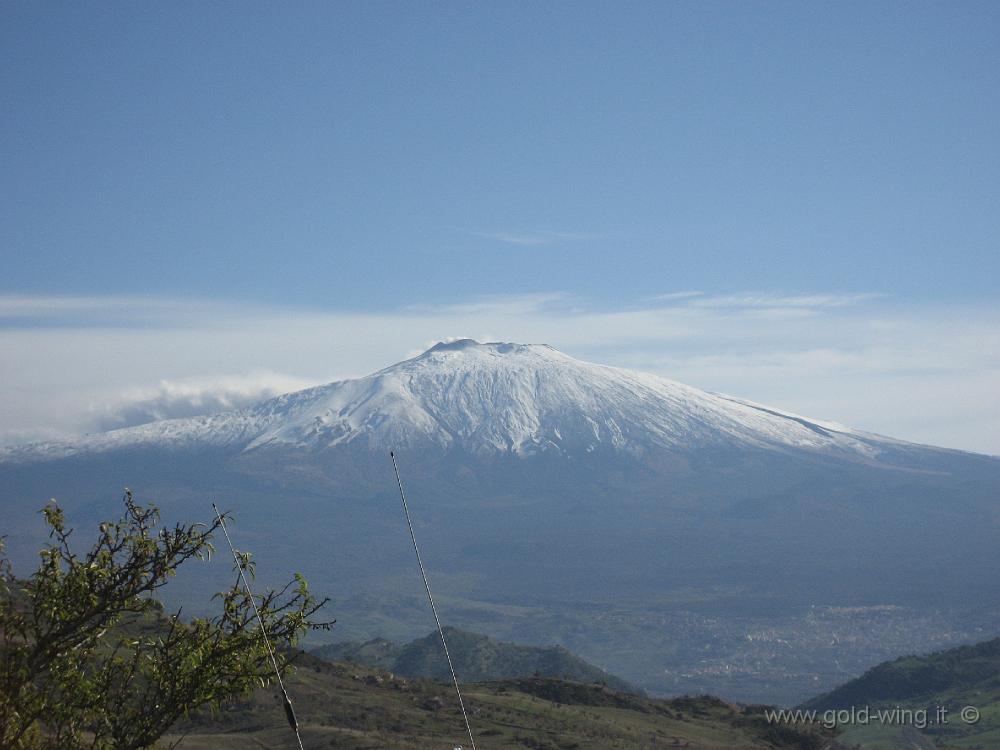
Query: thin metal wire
{"points": [[430, 598], [263, 633]]}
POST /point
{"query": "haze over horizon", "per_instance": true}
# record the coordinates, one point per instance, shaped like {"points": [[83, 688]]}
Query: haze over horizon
{"points": [[207, 205]]}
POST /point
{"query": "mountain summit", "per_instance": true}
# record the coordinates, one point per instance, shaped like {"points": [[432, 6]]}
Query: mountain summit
{"points": [[496, 398]]}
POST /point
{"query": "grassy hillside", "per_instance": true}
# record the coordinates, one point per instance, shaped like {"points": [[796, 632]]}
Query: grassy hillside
{"points": [[477, 658], [353, 707], [967, 676]]}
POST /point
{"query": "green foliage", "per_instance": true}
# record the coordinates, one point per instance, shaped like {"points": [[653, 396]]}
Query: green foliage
{"points": [[83, 664]]}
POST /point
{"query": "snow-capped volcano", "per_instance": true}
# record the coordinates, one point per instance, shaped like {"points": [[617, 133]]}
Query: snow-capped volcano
{"points": [[520, 398], [569, 494], [493, 398]]}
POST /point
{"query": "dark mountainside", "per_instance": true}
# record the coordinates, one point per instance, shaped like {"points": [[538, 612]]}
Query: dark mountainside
{"points": [[477, 658]]}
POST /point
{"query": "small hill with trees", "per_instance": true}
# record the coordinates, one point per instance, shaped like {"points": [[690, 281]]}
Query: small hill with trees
{"points": [[477, 658]]}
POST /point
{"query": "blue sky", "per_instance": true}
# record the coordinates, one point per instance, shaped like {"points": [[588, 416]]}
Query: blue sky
{"points": [[373, 159]]}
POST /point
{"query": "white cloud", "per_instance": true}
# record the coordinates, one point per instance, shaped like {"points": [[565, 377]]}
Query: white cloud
{"points": [[928, 374], [499, 304], [748, 300], [189, 397]]}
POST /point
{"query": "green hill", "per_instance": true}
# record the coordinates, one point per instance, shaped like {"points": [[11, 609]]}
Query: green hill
{"points": [[963, 670], [352, 707], [967, 676], [477, 658]]}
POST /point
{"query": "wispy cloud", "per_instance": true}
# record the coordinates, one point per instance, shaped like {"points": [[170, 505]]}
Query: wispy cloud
{"points": [[105, 310], [502, 304], [795, 300], [534, 238], [190, 397], [674, 296], [748, 300]]}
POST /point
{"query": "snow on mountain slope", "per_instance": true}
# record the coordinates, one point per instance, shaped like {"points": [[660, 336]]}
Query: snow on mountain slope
{"points": [[490, 398]]}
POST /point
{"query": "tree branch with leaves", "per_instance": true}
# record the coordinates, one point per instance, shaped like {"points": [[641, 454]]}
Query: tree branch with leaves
{"points": [[89, 660]]}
